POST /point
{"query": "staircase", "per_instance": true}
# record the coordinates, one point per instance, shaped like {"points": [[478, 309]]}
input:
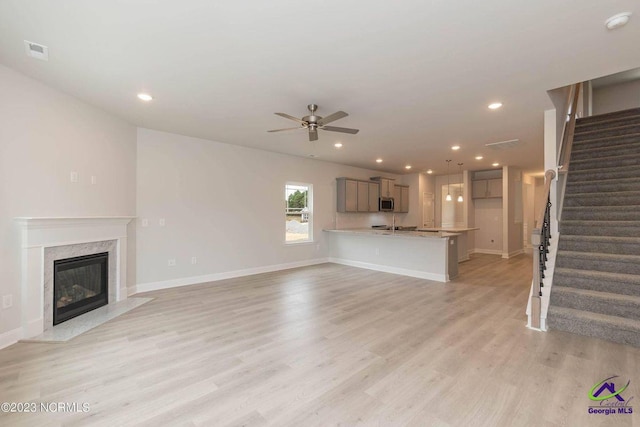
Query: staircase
{"points": [[596, 284]]}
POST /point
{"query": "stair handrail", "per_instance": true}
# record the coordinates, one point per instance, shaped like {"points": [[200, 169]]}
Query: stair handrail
{"points": [[569, 128]]}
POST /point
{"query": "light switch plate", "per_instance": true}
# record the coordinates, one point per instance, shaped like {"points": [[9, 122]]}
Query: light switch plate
{"points": [[73, 176], [7, 301], [161, 222], [145, 222]]}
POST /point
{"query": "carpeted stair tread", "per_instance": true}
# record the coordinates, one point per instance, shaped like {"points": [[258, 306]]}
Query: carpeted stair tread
{"points": [[582, 125], [599, 261], [625, 284], [597, 325], [604, 132], [601, 213], [604, 185], [604, 173], [585, 144], [600, 244], [600, 228], [606, 151], [610, 198], [608, 116], [597, 301], [606, 161]]}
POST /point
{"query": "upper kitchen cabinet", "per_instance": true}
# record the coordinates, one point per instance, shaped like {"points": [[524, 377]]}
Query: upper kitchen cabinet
{"points": [[487, 184], [401, 198], [357, 196], [386, 186]]}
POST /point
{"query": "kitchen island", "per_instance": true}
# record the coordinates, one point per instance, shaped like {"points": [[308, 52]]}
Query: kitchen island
{"points": [[463, 245], [426, 255]]}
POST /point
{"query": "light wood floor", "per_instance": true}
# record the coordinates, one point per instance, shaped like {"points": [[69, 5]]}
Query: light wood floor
{"points": [[325, 345]]}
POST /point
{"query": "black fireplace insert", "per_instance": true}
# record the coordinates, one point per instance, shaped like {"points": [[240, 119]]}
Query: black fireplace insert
{"points": [[79, 285]]}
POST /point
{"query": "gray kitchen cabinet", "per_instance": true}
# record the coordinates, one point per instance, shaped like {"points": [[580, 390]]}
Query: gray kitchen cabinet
{"points": [[387, 186], [356, 195], [401, 199], [487, 188]]}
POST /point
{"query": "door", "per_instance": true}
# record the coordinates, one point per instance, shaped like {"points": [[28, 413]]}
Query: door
{"points": [[428, 210]]}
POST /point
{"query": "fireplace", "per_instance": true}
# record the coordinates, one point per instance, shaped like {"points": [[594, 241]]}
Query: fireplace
{"points": [[80, 284]]}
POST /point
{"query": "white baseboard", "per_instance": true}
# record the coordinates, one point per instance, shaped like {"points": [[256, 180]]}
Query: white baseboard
{"points": [[10, 337], [194, 280], [486, 251], [393, 270], [512, 254]]}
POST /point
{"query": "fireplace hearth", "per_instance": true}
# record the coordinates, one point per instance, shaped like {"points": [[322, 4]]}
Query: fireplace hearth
{"points": [[80, 284]]}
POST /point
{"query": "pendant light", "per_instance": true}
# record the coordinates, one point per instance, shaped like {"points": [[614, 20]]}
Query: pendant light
{"points": [[448, 199], [460, 199]]}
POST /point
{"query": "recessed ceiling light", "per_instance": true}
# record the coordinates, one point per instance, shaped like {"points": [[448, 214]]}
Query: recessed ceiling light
{"points": [[479, 157], [455, 147], [495, 164], [617, 21], [145, 97], [408, 167], [337, 145], [378, 160], [429, 171], [495, 105]]}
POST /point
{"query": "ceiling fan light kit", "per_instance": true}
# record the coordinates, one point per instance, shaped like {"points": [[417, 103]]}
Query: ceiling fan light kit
{"points": [[313, 123]]}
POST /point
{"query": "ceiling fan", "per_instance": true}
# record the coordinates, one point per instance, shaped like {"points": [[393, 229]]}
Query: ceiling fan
{"points": [[313, 123]]}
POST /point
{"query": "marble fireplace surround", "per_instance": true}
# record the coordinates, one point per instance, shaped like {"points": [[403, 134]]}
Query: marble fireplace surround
{"points": [[45, 240]]}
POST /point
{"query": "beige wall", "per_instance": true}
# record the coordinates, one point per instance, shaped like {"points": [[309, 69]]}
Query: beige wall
{"points": [[618, 97], [44, 135], [223, 204]]}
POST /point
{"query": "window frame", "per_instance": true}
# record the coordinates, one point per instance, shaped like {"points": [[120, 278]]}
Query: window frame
{"points": [[309, 188]]}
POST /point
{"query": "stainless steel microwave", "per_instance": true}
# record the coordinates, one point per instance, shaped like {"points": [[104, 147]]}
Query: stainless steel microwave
{"points": [[386, 204]]}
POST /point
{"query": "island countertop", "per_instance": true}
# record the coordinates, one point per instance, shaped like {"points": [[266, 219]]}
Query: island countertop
{"points": [[434, 234]]}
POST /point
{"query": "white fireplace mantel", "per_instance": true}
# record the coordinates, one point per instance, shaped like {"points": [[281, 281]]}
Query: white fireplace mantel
{"points": [[40, 233]]}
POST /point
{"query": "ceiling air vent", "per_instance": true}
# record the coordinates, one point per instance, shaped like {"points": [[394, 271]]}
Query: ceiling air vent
{"points": [[36, 50], [503, 145]]}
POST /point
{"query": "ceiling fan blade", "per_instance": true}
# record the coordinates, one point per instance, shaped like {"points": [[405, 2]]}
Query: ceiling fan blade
{"points": [[343, 130], [287, 116], [280, 130], [333, 117], [313, 135]]}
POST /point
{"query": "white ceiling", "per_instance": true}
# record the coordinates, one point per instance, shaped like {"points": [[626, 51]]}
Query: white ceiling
{"points": [[415, 76]]}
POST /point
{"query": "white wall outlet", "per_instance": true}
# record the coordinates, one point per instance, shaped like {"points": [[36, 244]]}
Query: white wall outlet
{"points": [[194, 260], [7, 301], [145, 222], [377, 251], [94, 180], [73, 176], [161, 222], [172, 262]]}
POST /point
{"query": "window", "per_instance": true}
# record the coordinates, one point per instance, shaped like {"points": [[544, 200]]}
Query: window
{"points": [[298, 213]]}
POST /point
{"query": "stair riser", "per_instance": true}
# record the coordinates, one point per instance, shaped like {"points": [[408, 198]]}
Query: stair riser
{"points": [[587, 230], [607, 132], [588, 144], [603, 199], [595, 330], [616, 150], [587, 214], [609, 116], [593, 284], [602, 247], [599, 174], [594, 304], [600, 187], [581, 126], [609, 266], [631, 160]]}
